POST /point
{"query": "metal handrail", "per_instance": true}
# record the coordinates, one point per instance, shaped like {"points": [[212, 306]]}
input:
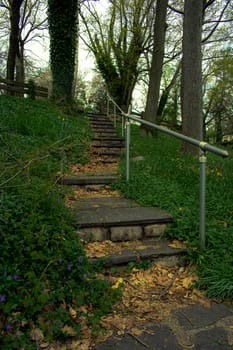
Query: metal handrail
{"points": [[202, 145]]}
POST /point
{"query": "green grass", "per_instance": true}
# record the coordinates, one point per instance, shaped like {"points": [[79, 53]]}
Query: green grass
{"points": [[42, 263], [170, 180]]}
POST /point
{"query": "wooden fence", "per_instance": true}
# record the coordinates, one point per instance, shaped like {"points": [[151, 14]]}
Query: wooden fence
{"points": [[22, 89]]}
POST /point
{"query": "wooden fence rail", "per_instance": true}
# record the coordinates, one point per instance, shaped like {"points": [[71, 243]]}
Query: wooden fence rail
{"points": [[22, 89]]}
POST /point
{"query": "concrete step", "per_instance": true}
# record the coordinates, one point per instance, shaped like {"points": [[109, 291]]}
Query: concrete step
{"points": [[118, 219], [97, 118], [101, 123], [106, 159], [88, 180], [110, 139], [149, 250], [109, 145], [104, 131], [107, 151]]}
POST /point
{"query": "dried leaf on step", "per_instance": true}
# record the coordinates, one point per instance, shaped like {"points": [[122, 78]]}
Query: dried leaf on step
{"points": [[177, 244], [136, 331]]}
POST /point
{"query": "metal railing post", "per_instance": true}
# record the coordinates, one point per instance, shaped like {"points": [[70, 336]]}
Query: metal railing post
{"points": [[115, 120], [122, 125], [202, 160], [108, 101], [127, 126]]}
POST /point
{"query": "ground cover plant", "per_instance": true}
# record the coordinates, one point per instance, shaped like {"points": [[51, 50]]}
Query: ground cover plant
{"points": [[46, 283], [170, 180]]}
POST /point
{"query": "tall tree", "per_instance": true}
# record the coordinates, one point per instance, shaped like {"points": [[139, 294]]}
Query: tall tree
{"points": [[118, 44], [31, 22], [157, 61], [62, 19], [191, 76], [13, 51]]}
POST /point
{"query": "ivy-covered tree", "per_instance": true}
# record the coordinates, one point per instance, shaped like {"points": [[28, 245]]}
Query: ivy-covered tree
{"points": [[62, 18]]}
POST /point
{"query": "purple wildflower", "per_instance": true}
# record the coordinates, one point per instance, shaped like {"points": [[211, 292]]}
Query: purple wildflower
{"points": [[69, 268], [8, 327], [2, 298], [15, 276], [60, 260]]}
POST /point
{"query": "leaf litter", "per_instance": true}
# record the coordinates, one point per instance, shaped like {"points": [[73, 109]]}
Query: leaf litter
{"points": [[148, 296]]}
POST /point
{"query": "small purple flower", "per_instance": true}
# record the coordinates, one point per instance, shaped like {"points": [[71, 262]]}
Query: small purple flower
{"points": [[8, 327], [60, 260], [2, 298], [15, 276], [69, 268]]}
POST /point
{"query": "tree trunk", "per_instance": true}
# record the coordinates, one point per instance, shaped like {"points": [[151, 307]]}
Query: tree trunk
{"points": [[13, 51], [62, 19], [191, 77], [164, 97], [157, 62]]}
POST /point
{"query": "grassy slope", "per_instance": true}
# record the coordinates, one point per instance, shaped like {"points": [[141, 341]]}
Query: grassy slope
{"points": [[171, 181], [42, 263]]}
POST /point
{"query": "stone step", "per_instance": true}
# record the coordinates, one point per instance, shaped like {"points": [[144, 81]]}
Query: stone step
{"points": [[107, 152], [118, 219], [88, 180], [115, 145], [98, 118], [106, 159], [101, 123], [104, 131], [109, 138], [149, 250], [107, 217]]}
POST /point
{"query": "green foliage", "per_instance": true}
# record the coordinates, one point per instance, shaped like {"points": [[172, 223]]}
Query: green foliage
{"points": [[62, 18], [118, 42], [218, 104], [169, 180], [43, 267]]}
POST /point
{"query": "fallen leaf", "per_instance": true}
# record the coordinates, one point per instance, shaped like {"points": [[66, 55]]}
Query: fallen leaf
{"points": [[136, 331], [188, 281], [177, 244], [118, 283], [37, 335], [69, 330]]}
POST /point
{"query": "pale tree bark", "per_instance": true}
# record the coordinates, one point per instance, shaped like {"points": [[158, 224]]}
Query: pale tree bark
{"points": [[191, 76], [157, 62]]}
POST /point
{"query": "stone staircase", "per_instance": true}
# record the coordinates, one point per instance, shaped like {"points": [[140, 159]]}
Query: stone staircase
{"points": [[107, 145], [111, 217]]}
